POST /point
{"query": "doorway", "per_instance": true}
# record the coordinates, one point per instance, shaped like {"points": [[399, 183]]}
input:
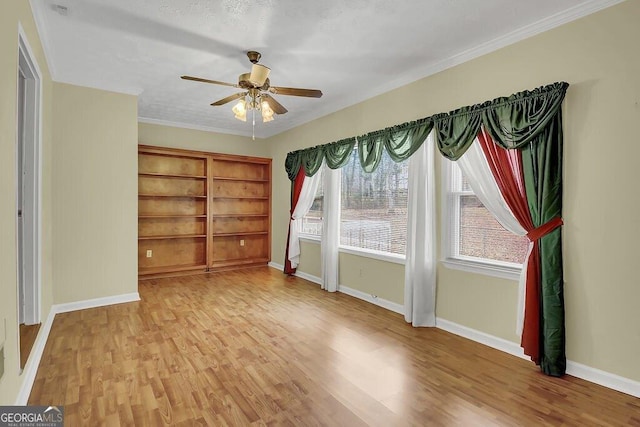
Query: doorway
{"points": [[28, 209]]}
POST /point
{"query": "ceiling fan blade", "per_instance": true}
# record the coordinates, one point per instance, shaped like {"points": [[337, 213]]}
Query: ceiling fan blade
{"points": [[259, 74], [311, 93], [275, 105], [215, 82], [229, 98]]}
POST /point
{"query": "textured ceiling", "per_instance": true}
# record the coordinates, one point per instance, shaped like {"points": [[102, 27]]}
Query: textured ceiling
{"points": [[350, 49]]}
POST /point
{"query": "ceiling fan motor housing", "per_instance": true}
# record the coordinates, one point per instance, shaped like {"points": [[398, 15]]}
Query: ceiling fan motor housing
{"points": [[254, 56]]}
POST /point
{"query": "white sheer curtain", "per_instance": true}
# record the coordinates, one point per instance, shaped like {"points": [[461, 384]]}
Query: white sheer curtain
{"points": [[474, 166], [307, 194], [420, 266], [330, 229]]}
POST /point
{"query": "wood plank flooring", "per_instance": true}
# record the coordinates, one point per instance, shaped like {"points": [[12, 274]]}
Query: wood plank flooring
{"points": [[28, 335], [255, 347]]}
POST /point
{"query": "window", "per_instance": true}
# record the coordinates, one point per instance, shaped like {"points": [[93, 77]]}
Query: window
{"points": [[312, 221], [476, 240], [373, 213]]}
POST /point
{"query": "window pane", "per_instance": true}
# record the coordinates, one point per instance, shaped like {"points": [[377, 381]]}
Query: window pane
{"points": [[374, 206], [465, 183], [482, 236], [312, 221]]}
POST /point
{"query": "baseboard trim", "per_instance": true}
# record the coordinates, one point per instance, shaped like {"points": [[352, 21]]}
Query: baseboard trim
{"points": [[481, 337], [276, 265], [311, 278], [603, 378], [33, 362], [300, 274], [96, 302], [597, 376], [373, 299], [31, 368]]}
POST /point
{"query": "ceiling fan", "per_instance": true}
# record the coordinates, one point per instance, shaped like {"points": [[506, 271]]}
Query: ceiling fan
{"points": [[257, 93]]}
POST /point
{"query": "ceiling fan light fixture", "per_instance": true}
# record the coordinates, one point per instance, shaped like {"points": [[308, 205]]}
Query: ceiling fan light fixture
{"points": [[267, 112], [256, 97], [267, 117], [240, 110]]}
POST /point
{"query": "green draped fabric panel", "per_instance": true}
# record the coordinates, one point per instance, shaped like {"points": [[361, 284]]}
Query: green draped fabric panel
{"points": [[511, 121], [338, 154], [542, 170], [370, 151], [312, 160], [292, 164], [402, 141], [399, 141], [335, 154], [517, 120], [456, 131]]}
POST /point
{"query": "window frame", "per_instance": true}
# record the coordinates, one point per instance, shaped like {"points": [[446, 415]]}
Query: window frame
{"points": [[353, 250], [363, 252], [450, 214], [317, 238]]}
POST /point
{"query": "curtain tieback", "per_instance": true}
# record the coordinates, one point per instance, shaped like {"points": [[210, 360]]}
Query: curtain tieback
{"points": [[544, 229]]}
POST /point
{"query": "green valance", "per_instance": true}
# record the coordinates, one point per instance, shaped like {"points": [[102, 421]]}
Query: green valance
{"points": [[399, 141], [456, 131], [512, 122], [335, 154]]}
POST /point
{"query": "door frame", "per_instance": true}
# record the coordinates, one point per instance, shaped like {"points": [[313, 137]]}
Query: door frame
{"points": [[32, 141]]}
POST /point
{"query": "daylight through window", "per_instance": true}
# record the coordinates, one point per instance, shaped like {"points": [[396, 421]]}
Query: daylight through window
{"points": [[374, 206], [476, 234], [312, 221]]}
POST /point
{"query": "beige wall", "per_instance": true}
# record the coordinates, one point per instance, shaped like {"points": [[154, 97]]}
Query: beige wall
{"points": [[598, 56], [166, 136], [13, 13], [371, 276], [95, 193], [310, 263], [90, 204]]}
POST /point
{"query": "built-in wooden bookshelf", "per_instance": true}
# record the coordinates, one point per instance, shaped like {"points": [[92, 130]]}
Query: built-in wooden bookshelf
{"points": [[241, 211], [201, 211]]}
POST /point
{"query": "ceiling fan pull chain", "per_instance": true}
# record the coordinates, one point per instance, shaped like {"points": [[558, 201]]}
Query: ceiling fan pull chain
{"points": [[253, 132]]}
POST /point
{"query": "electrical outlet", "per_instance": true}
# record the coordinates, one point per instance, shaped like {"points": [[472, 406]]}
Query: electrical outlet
{"points": [[149, 253], [242, 242]]}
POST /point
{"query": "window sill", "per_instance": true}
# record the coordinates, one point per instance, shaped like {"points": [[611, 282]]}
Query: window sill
{"points": [[397, 259], [495, 270]]}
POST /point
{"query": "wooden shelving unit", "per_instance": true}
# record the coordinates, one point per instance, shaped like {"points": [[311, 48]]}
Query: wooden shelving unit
{"points": [[201, 211], [240, 211]]}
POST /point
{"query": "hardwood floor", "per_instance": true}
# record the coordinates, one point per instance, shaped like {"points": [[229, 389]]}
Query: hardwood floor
{"points": [[28, 335], [255, 347]]}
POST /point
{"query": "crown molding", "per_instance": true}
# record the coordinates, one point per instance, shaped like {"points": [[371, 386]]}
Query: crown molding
{"points": [[182, 125], [490, 46]]}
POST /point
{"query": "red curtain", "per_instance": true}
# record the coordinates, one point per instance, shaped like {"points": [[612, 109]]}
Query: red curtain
{"points": [[296, 189], [506, 166]]}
